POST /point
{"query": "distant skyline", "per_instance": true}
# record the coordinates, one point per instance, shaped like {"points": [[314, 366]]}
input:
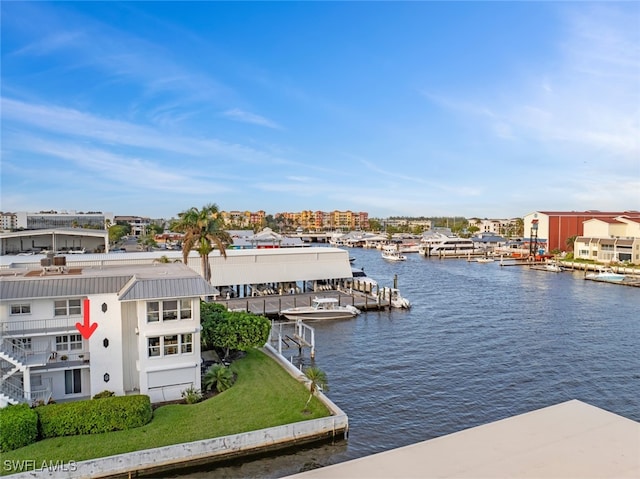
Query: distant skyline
{"points": [[475, 109]]}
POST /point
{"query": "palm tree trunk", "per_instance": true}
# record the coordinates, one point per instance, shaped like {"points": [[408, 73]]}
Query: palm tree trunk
{"points": [[206, 268]]}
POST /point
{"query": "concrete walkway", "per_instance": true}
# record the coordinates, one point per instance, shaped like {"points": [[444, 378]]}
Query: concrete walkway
{"points": [[568, 440]]}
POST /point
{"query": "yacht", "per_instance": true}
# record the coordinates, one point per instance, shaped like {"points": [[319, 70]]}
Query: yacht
{"points": [[321, 308], [606, 274], [449, 246], [391, 253]]}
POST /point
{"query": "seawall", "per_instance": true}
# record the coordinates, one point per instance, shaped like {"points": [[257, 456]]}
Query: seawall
{"points": [[207, 450]]}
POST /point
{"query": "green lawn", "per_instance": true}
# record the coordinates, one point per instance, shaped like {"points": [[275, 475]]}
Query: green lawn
{"points": [[264, 395]]}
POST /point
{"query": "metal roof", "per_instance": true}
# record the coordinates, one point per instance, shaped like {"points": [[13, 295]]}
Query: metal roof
{"points": [[58, 287], [167, 288], [256, 266], [130, 282]]}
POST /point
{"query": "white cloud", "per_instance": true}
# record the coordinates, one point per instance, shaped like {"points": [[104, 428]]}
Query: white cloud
{"points": [[246, 117]]}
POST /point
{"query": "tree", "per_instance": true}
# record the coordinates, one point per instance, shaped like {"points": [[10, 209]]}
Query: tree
{"points": [[218, 376], [201, 228], [317, 380], [570, 242], [210, 314], [231, 330], [116, 232]]}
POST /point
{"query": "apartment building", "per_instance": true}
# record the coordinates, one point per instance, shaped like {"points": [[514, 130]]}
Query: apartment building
{"points": [[610, 239], [69, 333], [8, 221], [328, 221], [243, 219], [139, 224]]}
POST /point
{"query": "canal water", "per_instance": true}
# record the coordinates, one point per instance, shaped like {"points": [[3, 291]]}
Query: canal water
{"points": [[481, 343]]}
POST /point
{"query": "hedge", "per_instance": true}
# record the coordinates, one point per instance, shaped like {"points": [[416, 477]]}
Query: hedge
{"points": [[94, 416], [18, 427]]}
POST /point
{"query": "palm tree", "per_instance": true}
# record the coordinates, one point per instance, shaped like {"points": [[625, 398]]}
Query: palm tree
{"points": [[318, 380], [217, 376], [201, 228]]}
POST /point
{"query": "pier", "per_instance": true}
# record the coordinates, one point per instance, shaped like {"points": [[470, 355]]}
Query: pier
{"points": [[271, 306]]}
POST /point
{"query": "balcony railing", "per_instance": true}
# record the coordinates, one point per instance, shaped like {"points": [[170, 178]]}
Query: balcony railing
{"points": [[16, 392], [39, 326]]}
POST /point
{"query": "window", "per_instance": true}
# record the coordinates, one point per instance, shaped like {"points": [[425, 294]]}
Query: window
{"points": [[75, 342], [20, 309], [186, 343], [67, 342], [62, 343], [72, 381], [153, 311], [169, 345], [154, 347], [185, 309], [169, 310], [67, 307]]}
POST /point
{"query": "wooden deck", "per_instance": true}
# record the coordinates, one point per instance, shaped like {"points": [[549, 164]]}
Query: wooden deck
{"points": [[271, 306]]}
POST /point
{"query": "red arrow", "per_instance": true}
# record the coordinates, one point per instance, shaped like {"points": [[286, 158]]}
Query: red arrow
{"points": [[85, 328]]}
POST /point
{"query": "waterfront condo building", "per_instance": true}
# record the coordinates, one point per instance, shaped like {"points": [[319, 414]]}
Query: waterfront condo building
{"points": [[69, 333]]}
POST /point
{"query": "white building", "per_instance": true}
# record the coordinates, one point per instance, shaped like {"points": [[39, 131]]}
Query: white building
{"points": [[57, 241], [8, 221], [610, 239], [63, 219], [146, 337]]}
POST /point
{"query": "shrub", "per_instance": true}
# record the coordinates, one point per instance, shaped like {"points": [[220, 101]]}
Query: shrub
{"points": [[104, 394], [218, 376], [113, 413], [192, 395], [18, 427]]}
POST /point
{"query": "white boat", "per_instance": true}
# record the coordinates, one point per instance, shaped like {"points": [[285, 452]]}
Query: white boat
{"points": [[553, 267], [452, 245], [392, 254], [485, 260], [606, 274], [395, 298], [321, 308]]}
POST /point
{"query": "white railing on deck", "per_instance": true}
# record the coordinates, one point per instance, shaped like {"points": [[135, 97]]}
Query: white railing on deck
{"points": [[42, 326]]}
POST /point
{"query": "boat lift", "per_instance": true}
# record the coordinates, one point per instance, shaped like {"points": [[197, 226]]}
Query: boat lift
{"points": [[303, 336]]}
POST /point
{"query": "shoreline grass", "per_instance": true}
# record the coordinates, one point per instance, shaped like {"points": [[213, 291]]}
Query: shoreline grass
{"points": [[264, 395]]}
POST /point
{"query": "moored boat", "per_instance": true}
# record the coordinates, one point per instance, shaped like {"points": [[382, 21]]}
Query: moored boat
{"points": [[391, 253], [485, 260], [395, 298], [606, 274], [321, 308]]}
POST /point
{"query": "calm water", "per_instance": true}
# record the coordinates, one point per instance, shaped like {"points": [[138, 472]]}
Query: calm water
{"points": [[480, 343]]}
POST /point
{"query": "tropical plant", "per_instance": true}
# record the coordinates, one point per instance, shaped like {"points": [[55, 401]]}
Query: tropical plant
{"points": [[317, 380], [192, 395], [201, 228], [218, 376]]}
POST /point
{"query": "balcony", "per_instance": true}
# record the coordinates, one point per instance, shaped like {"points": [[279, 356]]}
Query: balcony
{"points": [[65, 359], [33, 327]]}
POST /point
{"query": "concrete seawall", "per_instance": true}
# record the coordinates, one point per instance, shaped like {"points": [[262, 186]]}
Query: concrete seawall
{"points": [[207, 450]]}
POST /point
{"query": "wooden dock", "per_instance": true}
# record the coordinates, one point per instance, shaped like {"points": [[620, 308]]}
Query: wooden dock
{"points": [[271, 305]]}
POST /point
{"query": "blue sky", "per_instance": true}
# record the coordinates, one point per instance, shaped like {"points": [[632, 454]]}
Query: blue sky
{"points": [[488, 109]]}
